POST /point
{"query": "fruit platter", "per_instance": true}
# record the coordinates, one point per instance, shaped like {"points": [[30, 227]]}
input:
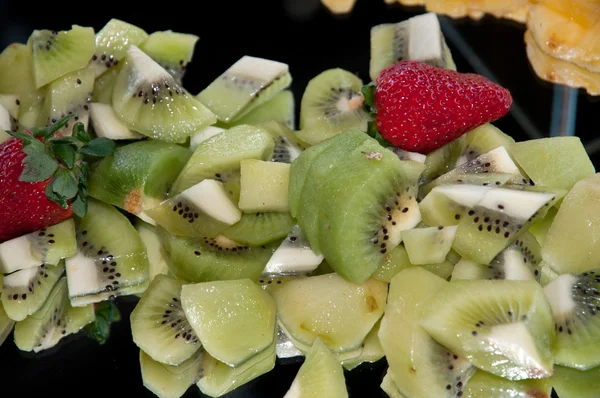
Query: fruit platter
{"points": [[381, 233]]}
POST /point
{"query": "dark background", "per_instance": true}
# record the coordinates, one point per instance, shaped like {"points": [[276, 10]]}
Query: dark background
{"points": [[303, 34]]}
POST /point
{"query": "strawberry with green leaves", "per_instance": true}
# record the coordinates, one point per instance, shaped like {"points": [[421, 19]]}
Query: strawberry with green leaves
{"points": [[419, 107], [43, 177]]}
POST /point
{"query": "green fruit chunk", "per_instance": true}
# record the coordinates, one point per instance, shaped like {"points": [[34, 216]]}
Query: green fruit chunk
{"points": [[57, 53], [245, 85], [219, 157], [260, 228], [280, 109], [572, 383], [428, 245], [138, 175], [371, 350], [321, 375], [264, 186], [417, 364], [389, 386], [148, 100], [235, 320], [503, 327], [112, 42], [220, 379], [16, 69], [159, 326], [557, 162], [6, 324], [331, 104], [397, 260], [171, 50], [570, 244], [328, 307], [212, 259], [540, 228], [104, 86], [483, 139], [167, 381], [443, 159], [154, 248], [485, 385]]}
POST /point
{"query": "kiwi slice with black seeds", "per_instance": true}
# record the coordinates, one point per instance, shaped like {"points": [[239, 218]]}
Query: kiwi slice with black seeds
{"points": [[104, 86], [171, 50], [210, 259], [332, 103], [287, 145], [482, 140], [257, 229], [16, 69], [11, 103], [159, 326], [149, 100], [442, 160], [575, 301], [167, 381], [485, 385], [279, 109], [57, 53], [25, 291], [31, 110], [112, 42], [293, 257]]}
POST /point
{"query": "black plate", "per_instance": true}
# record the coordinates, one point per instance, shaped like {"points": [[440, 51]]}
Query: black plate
{"points": [[304, 35]]}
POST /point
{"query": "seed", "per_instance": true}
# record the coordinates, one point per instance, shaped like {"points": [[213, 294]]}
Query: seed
{"points": [[474, 333], [471, 212], [405, 210], [501, 207], [457, 216], [476, 219], [448, 387]]}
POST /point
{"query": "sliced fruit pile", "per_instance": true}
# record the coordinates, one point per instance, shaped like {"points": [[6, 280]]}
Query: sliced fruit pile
{"points": [[397, 222]]}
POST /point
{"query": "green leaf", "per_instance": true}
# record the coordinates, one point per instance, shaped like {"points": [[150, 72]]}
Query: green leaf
{"points": [[79, 205], [65, 140], [60, 123], [80, 133], [64, 184], [38, 165], [65, 153], [106, 314], [59, 200], [26, 138], [99, 147], [368, 91], [374, 133]]}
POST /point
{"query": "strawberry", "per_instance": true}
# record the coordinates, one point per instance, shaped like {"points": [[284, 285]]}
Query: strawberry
{"points": [[420, 108], [43, 177]]}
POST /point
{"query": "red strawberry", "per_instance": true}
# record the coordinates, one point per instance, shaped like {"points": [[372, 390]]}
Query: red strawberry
{"points": [[24, 206], [421, 107]]}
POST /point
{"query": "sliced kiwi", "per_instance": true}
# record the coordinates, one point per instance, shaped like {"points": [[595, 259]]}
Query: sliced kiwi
{"points": [[321, 375], [203, 135], [279, 109], [167, 381], [332, 103], [570, 244], [137, 176], [204, 210], [540, 228], [419, 38], [448, 204], [25, 291], [69, 94], [428, 245], [371, 351], [154, 248], [219, 379], [482, 140], [106, 123], [572, 383], [575, 307], [443, 159], [338, 312], [31, 110], [389, 386], [519, 261], [111, 255], [6, 325], [293, 256], [11, 105], [417, 364], [57, 53], [503, 327], [397, 260], [73, 320], [171, 50], [556, 162], [16, 68], [263, 186], [112, 42], [497, 220], [159, 326], [104, 86], [494, 168], [149, 100], [485, 385], [211, 259], [219, 157], [31, 332], [257, 229], [244, 332], [245, 85], [46, 246], [287, 145]]}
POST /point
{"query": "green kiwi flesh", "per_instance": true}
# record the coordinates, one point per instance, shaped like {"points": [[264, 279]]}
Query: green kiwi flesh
{"points": [[167, 381], [287, 145], [257, 229], [247, 329], [31, 110], [111, 255], [6, 325], [106, 124], [389, 386], [104, 86], [248, 83], [417, 364], [332, 103], [371, 350], [504, 327], [279, 109], [219, 157], [428, 245], [273, 180], [159, 326], [483, 139], [442, 160], [397, 260], [572, 383], [486, 385], [148, 100], [154, 248], [57, 53], [171, 50], [136, 177], [112, 42], [16, 69]]}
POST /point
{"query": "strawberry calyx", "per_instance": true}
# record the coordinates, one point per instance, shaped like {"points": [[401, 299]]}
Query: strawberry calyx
{"points": [[368, 92], [65, 160]]}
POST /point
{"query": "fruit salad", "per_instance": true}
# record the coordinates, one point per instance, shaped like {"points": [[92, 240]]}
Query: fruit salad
{"points": [[394, 222]]}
